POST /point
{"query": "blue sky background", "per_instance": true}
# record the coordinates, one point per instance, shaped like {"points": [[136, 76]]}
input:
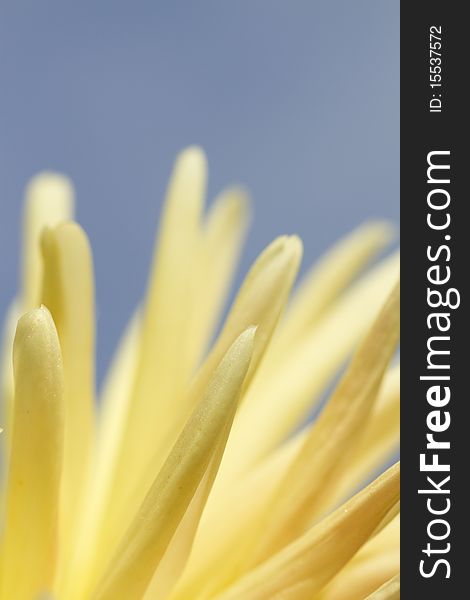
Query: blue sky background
{"points": [[298, 100]]}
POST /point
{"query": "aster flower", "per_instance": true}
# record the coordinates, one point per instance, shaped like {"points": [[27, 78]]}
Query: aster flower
{"points": [[197, 475]]}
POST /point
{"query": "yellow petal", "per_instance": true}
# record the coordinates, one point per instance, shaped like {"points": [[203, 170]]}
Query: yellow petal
{"points": [[163, 369], [30, 537], [176, 555], [49, 200], [260, 301], [175, 558], [375, 563], [7, 380], [114, 405], [337, 429], [245, 501], [379, 441], [222, 238], [329, 277], [151, 370], [335, 433], [389, 590], [301, 569], [68, 292], [249, 499], [168, 499], [266, 418]]}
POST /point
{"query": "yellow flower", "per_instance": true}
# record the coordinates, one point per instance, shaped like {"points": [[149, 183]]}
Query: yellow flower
{"points": [[191, 478]]}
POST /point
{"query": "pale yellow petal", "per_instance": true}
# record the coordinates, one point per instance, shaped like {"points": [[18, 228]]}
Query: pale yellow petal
{"points": [[49, 200], [30, 538], [223, 235], [249, 499], [388, 591], [379, 442], [141, 397], [150, 533], [114, 405], [68, 292], [176, 555], [336, 432], [322, 456], [245, 501], [259, 302], [7, 380], [375, 563], [175, 558], [328, 277], [281, 396], [305, 566], [163, 368]]}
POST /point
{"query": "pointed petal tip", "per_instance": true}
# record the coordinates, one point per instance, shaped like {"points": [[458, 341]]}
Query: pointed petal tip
{"points": [[36, 340], [35, 465], [293, 248], [295, 243], [31, 326], [247, 336], [241, 350], [33, 319], [237, 199], [289, 246], [384, 230]]}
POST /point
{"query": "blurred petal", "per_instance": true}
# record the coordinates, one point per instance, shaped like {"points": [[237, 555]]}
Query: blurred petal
{"points": [[265, 418], [68, 292], [246, 502], [114, 406], [379, 441], [323, 457], [389, 590], [7, 380], [329, 277], [222, 239], [49, 200]]}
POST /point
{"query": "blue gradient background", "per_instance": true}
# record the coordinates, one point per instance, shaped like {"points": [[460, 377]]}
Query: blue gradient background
{"points": [[297, 100]]}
